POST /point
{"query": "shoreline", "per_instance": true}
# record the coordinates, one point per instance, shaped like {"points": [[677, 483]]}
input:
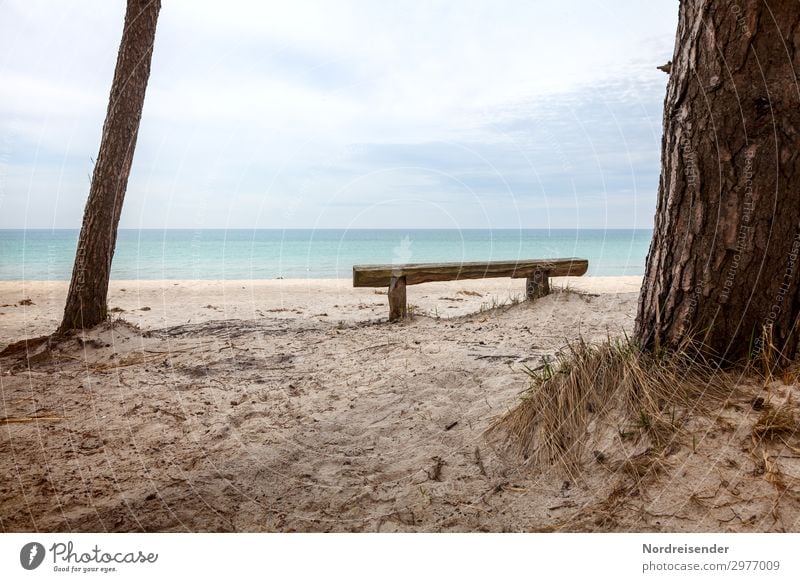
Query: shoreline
{"points": [[152, 303]]}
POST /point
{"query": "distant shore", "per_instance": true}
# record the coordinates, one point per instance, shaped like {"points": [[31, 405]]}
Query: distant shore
{"points": [[162, 303]]}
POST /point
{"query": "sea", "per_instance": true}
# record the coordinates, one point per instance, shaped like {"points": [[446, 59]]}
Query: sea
{"points": [[48, 254]]}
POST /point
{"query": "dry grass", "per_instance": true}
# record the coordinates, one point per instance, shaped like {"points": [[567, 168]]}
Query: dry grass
{"points": [[651, 395], [776, 423]]}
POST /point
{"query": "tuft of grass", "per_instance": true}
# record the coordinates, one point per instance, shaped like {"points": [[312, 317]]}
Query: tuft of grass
{"points": [[489, 305], [766, 359], [589, 382], [768, 354], [642, 467], [776, 423], [496, 303]]}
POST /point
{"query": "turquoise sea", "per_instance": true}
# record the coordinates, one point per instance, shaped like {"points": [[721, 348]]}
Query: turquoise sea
{"points": [[34, 254]]}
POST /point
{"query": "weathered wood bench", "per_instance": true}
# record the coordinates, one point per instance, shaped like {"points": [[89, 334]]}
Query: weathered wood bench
{"points": [[537, 273]]}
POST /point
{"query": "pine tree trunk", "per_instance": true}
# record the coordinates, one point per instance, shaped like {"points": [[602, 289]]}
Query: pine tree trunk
{"points": [[86, 301], [722, 265]]}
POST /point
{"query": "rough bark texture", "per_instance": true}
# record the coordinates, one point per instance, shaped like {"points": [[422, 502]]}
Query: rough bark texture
{"points": [[723, 260], [86, 301]]}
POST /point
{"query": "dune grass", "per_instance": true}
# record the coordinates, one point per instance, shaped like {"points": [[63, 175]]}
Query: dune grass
{"points": [[648, 395]]}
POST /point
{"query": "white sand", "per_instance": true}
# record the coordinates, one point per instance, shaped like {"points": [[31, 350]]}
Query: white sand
{"points": [[295, 406], [177, 302]]}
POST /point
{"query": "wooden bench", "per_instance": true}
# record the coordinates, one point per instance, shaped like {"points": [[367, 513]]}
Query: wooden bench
{"points": [[537, 273]]}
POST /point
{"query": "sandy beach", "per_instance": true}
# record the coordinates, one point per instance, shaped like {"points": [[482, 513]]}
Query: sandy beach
{"points": [[293, 405], [152, 304]]}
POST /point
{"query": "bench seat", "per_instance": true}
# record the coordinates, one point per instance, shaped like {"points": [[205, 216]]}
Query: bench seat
{"points": [[397, 277]]}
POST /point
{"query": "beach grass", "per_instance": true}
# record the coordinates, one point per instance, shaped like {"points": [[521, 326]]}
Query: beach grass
{"points": [[649, 395]]}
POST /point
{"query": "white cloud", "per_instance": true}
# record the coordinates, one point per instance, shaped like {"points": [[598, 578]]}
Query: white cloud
{"points": [[260, 102]]}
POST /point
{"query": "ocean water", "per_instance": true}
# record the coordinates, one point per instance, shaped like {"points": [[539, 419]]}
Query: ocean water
{"points": [[330, 253]]}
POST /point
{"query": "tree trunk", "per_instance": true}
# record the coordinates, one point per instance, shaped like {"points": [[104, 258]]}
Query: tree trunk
{"points": [[88, 290], [722, 265]]}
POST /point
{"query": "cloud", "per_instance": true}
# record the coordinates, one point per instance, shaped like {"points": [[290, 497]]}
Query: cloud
{"points": [[316, 113]]}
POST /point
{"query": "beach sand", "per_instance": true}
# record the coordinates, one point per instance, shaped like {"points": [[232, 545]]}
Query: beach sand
{"points": [[293, 405], [153, 304]]}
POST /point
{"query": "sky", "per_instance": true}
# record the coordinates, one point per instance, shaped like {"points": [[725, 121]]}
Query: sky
{"points": [[347, 114]]}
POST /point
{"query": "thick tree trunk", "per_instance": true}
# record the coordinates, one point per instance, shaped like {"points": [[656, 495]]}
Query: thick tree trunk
{"points": [[86, 301], [722, 265]]}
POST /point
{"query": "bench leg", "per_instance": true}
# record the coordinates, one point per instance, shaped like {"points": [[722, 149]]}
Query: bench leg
{"points": [[537, 285], [397, 298]]}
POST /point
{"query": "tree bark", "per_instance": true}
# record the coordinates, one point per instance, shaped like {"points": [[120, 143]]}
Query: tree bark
{"points": [[88, 290], [722, 265]]}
